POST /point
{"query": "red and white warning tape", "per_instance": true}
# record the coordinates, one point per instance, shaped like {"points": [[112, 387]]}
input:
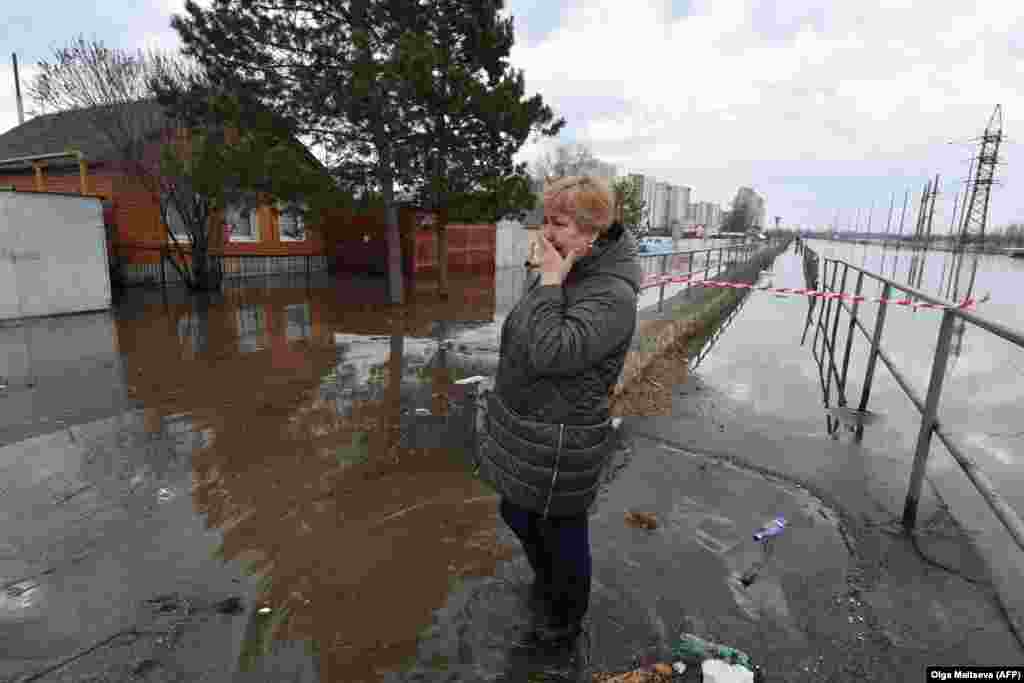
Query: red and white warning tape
{"points": [[657, 280]]}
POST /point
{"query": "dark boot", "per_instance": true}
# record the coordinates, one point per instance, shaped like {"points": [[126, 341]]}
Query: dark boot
{"points": [[540, 597], [556, 632]]}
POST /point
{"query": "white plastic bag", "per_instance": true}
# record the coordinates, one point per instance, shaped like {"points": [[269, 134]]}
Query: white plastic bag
{"points": [[719, 671]]}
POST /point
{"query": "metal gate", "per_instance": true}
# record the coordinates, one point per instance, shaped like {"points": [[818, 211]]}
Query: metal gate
{"points": [[53, 256]]}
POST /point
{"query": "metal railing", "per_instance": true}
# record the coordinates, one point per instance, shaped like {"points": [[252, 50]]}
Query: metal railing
{"points": [[928, 407], [228, 266], [727, 255]]}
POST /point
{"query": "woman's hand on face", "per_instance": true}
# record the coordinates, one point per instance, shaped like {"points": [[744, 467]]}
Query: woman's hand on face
{"points": [[553, 267]]}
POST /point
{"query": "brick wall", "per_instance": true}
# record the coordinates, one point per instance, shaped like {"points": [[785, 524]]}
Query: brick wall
{"points": [[471, 248]]}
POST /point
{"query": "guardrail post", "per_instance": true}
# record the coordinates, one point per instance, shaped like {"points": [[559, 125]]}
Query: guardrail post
{"points": [[876, 340], [931, 405], [849, 338], [823, 302], [664, 270], [835, 328]]}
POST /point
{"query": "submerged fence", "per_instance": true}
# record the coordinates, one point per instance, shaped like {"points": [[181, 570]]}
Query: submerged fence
{"points": [[952, 315], [229, 266]]}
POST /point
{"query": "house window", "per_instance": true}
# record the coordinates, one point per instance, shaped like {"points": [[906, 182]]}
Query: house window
{"points": [[291, 222], [176, 223], [190, 334], [242, 221], [251, 325]]}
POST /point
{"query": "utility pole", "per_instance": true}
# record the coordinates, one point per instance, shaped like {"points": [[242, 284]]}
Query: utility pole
{"points": [[931, 213], [961, 236], [17, 89], [952, 221], [922, 211], [870, 211], [888, 222], [906, 198]]}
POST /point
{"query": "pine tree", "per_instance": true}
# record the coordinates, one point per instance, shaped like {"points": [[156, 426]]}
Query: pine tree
{"points": [[475, 118], [394, 90], [630, 206]]}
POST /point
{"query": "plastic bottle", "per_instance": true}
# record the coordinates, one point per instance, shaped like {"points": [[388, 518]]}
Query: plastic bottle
{"points": [[772, 528], [694, 648]]}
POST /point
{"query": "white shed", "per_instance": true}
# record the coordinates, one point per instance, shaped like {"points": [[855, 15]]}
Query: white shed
{"points": [[53, 255]]}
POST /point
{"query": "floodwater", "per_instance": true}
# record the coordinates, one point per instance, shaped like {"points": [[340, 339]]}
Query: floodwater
{"points": [[312, 427], [776, 385], [311, 439], [305, 445]]}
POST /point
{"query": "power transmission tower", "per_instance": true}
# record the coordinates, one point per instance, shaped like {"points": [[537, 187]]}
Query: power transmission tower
{"points": [[952, 221], [975, 212]]}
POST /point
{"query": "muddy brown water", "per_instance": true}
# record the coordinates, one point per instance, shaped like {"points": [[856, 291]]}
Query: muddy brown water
{"points": [[307, 436]]}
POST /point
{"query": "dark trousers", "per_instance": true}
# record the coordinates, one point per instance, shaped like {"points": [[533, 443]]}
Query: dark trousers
{"points": [[558, 549]]}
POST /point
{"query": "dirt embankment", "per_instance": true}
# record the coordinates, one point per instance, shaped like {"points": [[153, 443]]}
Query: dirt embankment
{"points": [[649, 390], [662, 361]]}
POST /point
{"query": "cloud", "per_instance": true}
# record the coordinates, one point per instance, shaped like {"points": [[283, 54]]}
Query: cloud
{"points": [[820, 104], [867, 90]]}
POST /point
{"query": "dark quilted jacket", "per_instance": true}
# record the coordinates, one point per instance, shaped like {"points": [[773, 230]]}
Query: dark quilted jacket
{"points": [[563, 348], [548, 431]]}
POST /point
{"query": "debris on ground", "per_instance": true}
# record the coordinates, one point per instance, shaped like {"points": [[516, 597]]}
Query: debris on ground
{"points": [[232, 605], [641, 520], [658, 673]]}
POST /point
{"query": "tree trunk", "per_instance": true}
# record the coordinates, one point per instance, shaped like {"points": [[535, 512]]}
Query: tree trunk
{"points": [[205, 276], [442, 224], [442, 260], [392, 233]]}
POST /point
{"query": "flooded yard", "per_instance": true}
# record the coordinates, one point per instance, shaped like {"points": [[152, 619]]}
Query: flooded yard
{"points": [[274, 482], [304, 432]]}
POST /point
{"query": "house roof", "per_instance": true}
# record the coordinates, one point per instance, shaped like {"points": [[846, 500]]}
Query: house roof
{"points": [[81, 129], [52, 133]]}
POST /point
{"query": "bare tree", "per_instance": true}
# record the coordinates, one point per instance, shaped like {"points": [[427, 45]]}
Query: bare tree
{"points": [[567, 160], [113, 90], [104, 83], [137, 104]]}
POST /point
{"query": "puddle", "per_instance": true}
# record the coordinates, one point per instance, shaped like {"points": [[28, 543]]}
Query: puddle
{"points": [[711, 509], [20, 600]]}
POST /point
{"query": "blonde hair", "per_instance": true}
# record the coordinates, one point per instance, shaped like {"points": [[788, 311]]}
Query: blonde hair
{"points": [[588, 200]]}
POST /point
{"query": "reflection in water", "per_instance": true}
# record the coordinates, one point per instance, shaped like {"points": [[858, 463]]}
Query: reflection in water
{"points": [[316, 473], [833, 363]]}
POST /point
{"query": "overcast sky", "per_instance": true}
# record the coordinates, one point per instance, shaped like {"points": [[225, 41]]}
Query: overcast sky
{"points": [[819, 105]]}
